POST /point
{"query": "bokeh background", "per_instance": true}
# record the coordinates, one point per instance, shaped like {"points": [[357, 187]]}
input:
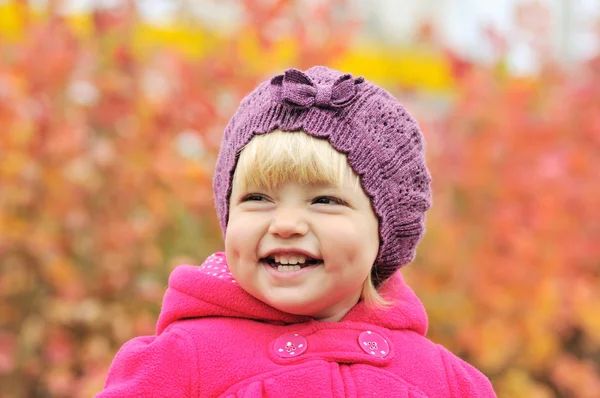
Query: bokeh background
{"points": [[111, 114]]}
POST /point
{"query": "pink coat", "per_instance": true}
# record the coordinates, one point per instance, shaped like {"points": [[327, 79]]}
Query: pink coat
{"points": [[214, 339]]}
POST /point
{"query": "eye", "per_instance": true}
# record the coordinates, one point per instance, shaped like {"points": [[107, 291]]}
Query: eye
{"points": [[329, 200], [253, 197]]}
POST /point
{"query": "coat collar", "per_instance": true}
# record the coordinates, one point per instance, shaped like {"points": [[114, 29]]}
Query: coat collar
{"points": [[210, 291]]}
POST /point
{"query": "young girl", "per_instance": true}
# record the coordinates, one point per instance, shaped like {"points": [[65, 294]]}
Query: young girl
{"points": [[321, 188]]}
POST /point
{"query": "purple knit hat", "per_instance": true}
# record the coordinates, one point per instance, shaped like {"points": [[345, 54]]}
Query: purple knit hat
{"points": [[383, 143]]}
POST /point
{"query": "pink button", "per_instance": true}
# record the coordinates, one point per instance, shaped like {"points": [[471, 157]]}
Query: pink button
{"points": [[290, 345], [373, 344]]}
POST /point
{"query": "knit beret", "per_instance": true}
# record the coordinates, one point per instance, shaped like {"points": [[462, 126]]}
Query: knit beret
{"points": [[382, 141]]}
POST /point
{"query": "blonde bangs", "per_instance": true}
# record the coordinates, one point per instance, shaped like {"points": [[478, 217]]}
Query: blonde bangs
{"points": [[272, 159]]}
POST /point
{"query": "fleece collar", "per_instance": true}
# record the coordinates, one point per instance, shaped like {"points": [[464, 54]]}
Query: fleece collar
{"points": [[210, 291]]}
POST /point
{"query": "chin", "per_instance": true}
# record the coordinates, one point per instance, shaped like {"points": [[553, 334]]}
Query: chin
{"points": [[291, 307]]}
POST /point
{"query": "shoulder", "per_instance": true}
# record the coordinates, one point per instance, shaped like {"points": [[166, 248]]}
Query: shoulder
{"points": [[464, 380], [150, 365], [435, 370]]}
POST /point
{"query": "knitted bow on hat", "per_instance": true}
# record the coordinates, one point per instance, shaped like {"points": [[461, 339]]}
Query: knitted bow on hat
{"points": [[296, 88]]}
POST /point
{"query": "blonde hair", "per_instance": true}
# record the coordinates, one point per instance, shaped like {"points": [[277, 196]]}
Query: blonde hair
{"points": [[272, 159]]}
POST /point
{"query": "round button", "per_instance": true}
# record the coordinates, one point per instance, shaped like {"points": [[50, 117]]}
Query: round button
{"points": [[290, 345], [373, 344]]}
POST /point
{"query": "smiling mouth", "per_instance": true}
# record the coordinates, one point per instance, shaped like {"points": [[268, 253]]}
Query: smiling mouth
{"points": [[309, 262]]}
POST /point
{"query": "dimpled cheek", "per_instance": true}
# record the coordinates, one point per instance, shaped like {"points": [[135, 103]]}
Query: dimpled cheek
{"points": [[239, 231], [354, 252], [236, 245], [340, 252]]}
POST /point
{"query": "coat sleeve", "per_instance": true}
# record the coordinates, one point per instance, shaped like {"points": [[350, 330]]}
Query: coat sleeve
{"points": [[463, 379], [153, 366]]}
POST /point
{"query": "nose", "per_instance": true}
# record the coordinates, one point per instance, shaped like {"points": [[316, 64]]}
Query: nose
{"points": [[288, 223]]}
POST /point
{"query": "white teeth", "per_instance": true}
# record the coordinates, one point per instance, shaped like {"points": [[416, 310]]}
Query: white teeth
{"points": [[289, 259], [285, 268]]}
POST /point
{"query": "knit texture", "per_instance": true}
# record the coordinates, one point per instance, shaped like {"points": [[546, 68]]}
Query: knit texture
{"points": [[382, 141], [214, 339]]}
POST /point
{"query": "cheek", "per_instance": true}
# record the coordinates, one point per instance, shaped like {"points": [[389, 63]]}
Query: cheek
{"points": [[236, 249], [242, 237], [353, 245]]}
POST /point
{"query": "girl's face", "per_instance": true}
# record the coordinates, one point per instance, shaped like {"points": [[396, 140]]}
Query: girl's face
{"points": [[303, 249]]}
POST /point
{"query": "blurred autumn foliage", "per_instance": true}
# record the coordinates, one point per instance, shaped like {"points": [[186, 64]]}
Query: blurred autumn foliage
{"points": [[107, 144], [510, 267]]}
